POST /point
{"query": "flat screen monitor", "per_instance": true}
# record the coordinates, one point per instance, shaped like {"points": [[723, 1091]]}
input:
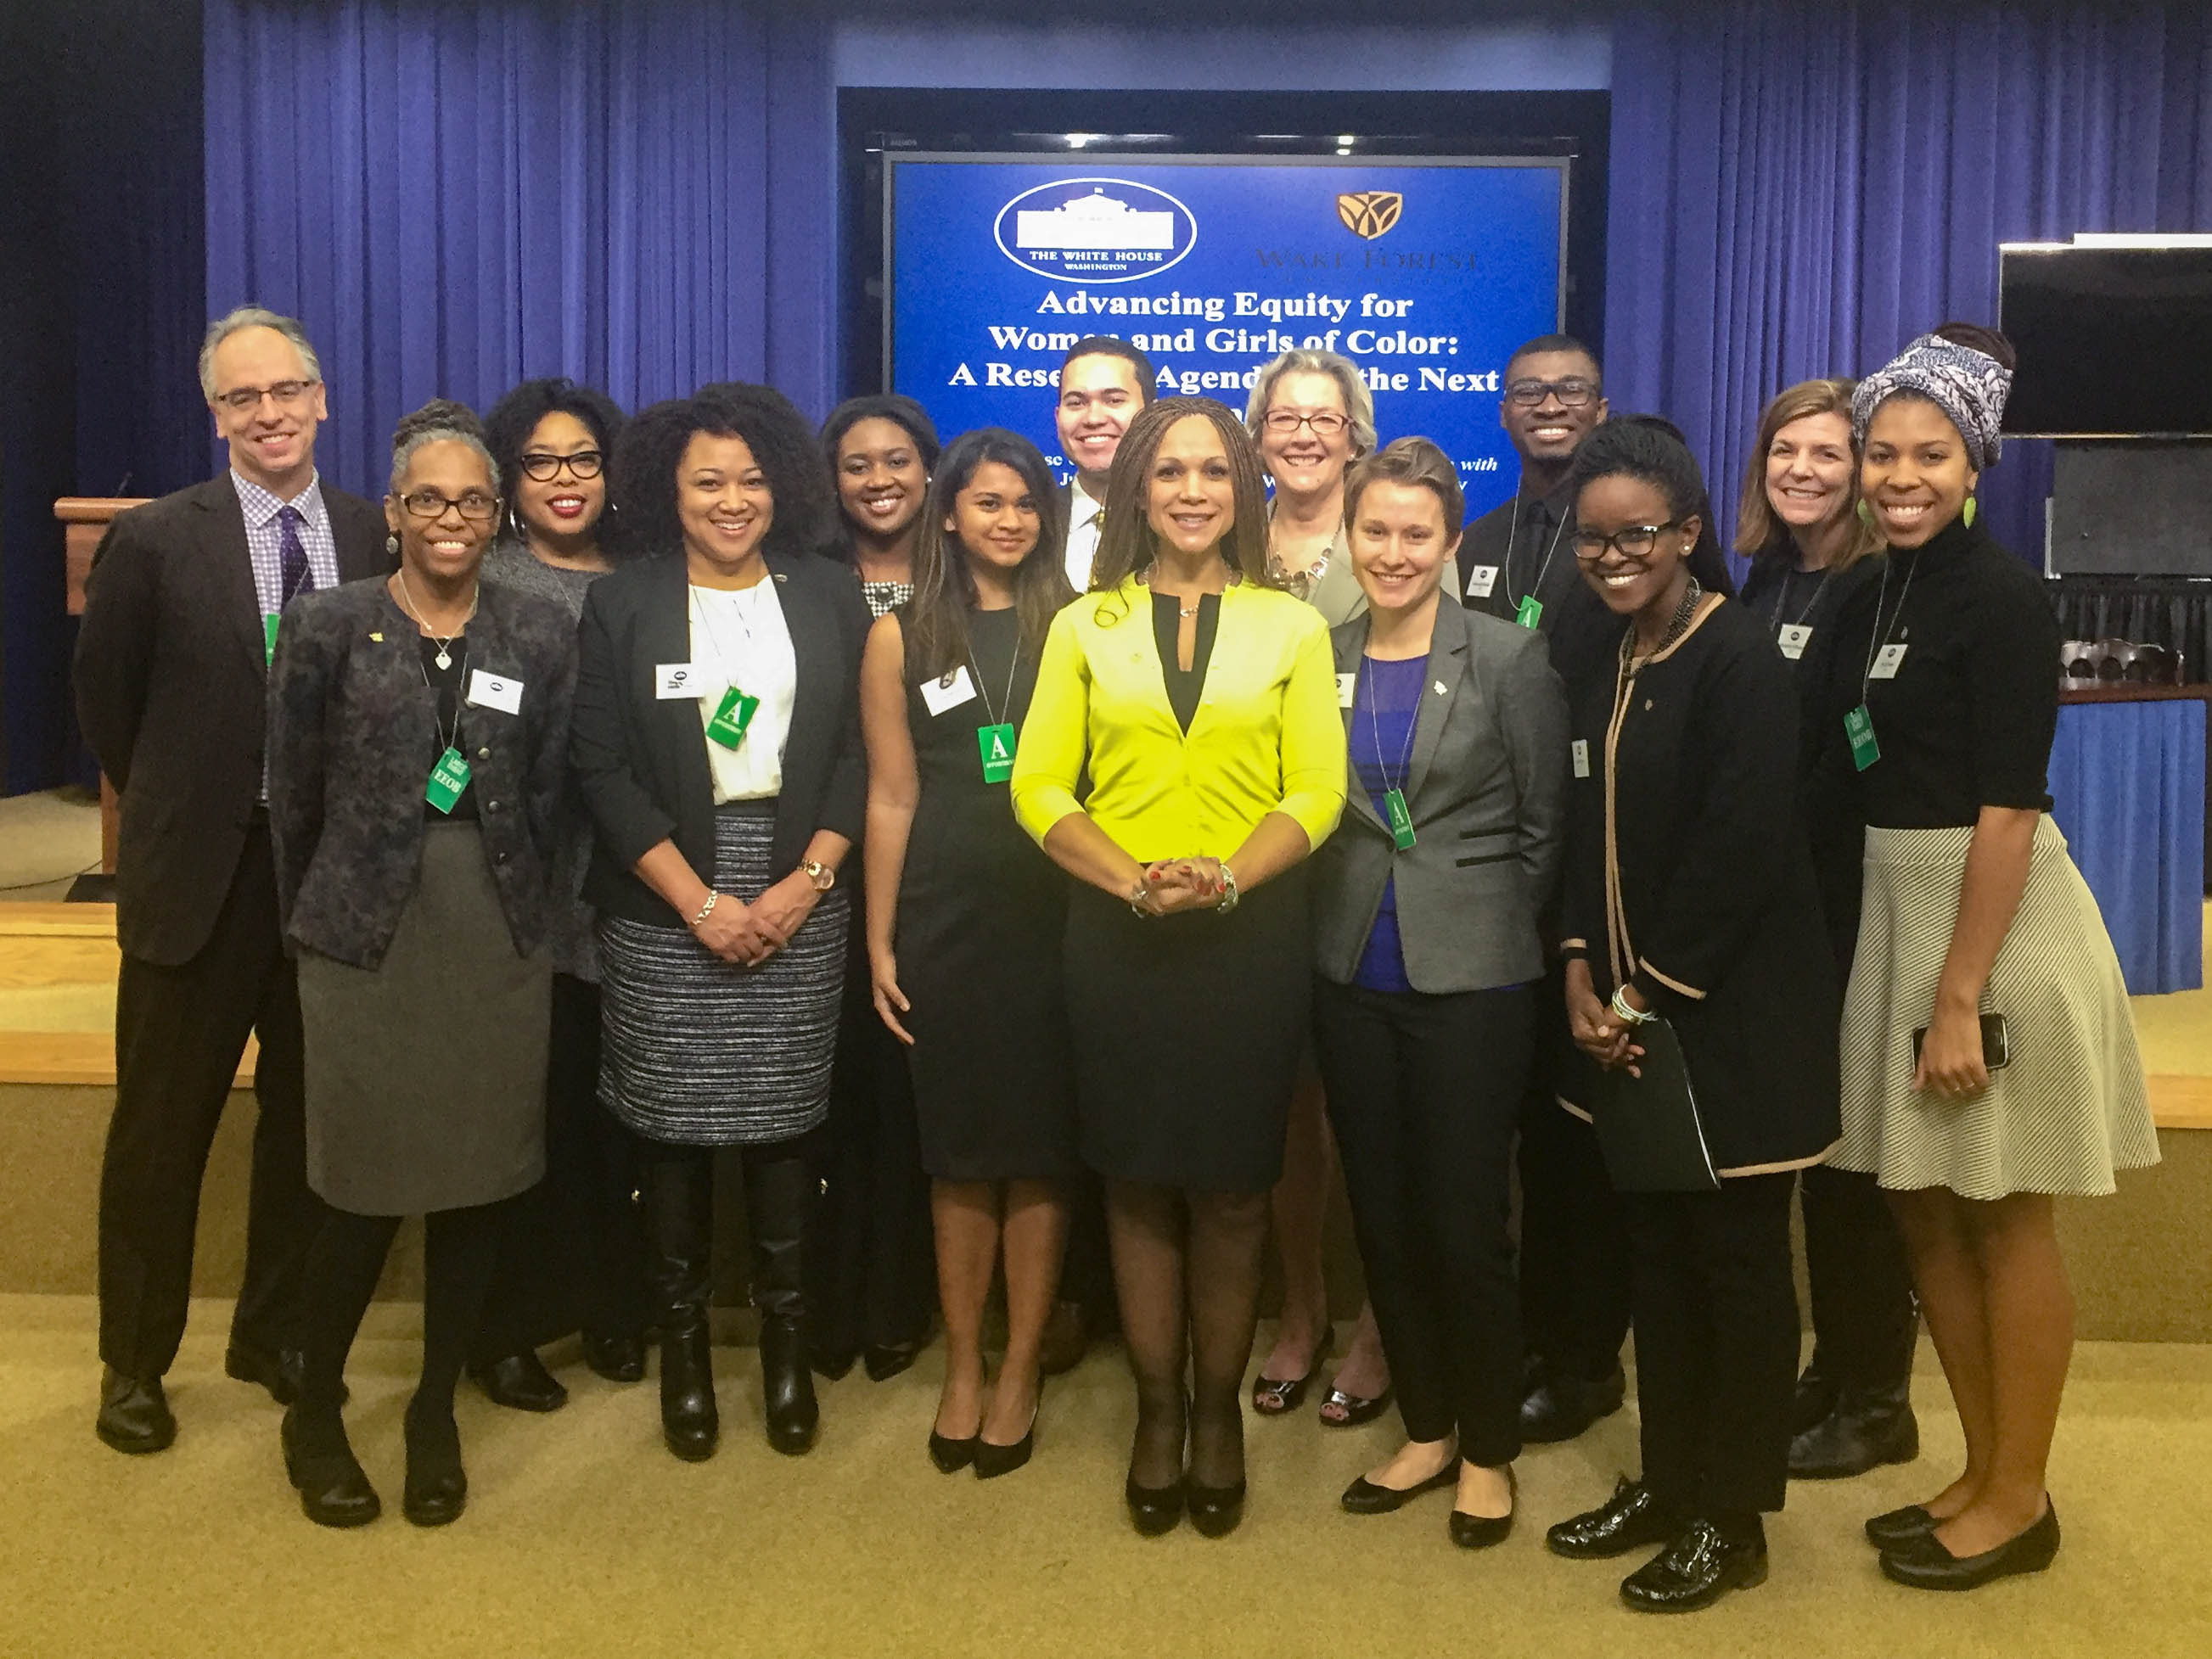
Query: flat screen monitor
{"points": [[2113, 340]]}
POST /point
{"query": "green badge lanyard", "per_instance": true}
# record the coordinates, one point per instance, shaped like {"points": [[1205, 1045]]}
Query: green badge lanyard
{"points": [[994, 743], [1393, 798], [449, 775], [1529, 611], [1858, 724], [736, 710]]}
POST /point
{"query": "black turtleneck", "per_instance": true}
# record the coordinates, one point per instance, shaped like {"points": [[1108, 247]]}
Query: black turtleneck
{"points": [[1967, 720]]}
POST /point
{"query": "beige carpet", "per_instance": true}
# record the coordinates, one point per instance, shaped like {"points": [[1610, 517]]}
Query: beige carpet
{"points": [[584, 1537]]}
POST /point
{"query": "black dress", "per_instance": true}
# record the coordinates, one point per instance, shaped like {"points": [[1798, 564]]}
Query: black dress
{"points": [[982, 915]]}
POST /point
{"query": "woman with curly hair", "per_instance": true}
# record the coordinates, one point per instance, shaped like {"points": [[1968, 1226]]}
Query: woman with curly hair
{"points": [[718, 744]]}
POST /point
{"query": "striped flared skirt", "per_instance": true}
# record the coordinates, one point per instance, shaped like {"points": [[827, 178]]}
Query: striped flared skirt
{"points": [[2069, 1108], [699, 1052]]}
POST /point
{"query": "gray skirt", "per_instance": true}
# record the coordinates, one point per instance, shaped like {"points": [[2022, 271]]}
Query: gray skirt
{"points": [[426, 1075], [695, 1051]]}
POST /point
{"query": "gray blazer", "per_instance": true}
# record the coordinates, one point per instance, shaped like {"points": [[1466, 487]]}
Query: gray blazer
{"points": [[1487, 793]]}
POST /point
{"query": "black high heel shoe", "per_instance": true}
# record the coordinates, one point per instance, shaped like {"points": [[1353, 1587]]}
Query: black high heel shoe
{"points": [[952, 1456], [993, 1461], [1214, 1511], [1273, 1396], [1153, 1509]]}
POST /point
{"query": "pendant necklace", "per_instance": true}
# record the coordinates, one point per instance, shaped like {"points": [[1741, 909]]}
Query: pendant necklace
{"points": [[444, 658]]}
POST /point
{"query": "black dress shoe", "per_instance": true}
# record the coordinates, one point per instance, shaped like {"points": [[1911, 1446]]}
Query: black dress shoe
{"points": [[1560, 1406], [322, 1468], [1364, 1497], [831, 1363], [437, 1485], [617, 1358], [993, 1461], [1893, 1529], [951, 1455], [1481, 1532], [277, 1372], [1865, 1430], [520, 1382], [1704, 1564], [1924, 1563], [1214, 1511], [1153, 1509], [885, 1360], [1630, 1519], [1815, 1396], [133, 1412]]}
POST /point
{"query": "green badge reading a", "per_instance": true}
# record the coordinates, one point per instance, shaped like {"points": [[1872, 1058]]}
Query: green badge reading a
{"points": [[1531, 613], [447, 779], [1401, 821], [269, 620], [731, 719], [995, 744], [1859, 726]]}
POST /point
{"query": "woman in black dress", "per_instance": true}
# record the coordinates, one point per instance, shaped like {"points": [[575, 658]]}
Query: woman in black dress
{"points": [[1690, 894], [965, 919]]}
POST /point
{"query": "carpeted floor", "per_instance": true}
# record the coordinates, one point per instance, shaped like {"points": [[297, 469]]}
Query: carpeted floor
{"points": [[583, 1537]]}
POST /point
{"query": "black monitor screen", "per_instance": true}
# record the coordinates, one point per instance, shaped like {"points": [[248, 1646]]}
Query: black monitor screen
{"points": [[2112, 342]]}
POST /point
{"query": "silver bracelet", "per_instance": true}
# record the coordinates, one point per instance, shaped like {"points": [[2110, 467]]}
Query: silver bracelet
{"points": [[1138, 894], [706, 909], [1227, 902], [1620, 1007]]}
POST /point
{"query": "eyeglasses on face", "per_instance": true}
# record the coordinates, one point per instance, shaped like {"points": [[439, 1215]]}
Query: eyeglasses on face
{"points": [[288, 394], [1632, 542], [1325, 423], [471, 504], [545, 468], [1571, 393]]}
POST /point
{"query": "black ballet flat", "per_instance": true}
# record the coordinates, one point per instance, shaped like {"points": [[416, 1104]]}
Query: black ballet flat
{"points": [[1481, 1532], [1214, 1511], [1364, 1497], [1925, 1564], [1153, 1509], [1895, 1529], [951, 1455], [1273, 1396]]}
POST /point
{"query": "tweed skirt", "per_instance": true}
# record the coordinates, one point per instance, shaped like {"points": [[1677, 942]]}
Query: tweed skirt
{"points": [[426, 1074], [699, 1052], [2069, 1108]]}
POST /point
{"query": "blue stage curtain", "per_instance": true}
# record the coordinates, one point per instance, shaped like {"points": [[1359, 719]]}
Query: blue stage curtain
{"points": [[1797, 191], [2127, 786], [457, 197]]}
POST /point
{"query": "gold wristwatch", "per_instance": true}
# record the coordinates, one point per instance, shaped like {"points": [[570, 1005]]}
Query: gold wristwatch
{"points": [[819, 873]]}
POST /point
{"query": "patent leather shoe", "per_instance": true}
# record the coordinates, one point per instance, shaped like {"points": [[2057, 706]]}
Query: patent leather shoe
{"points": [[520, 1382], [1864, 1432], [1702, 1564], [1272, 1396], [1924, 1563], [1481, 1532], [1153, 1509], [1364, 1497], [278, 1372], [1630, 1519], [333, 1489], [134, 1413], [1214, 1511], [1560, 1406], [618, 1358], [437, 1486], [1895, 1528]]}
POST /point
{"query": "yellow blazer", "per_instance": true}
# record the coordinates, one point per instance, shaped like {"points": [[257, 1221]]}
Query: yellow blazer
{"points": [[1266, 738]]}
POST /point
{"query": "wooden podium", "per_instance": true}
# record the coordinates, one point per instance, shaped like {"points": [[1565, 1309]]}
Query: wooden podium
{"points": [[85, 519]]}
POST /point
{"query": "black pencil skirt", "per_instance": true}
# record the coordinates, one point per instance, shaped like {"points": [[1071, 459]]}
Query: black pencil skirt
{"points": [[1187, 1030]]}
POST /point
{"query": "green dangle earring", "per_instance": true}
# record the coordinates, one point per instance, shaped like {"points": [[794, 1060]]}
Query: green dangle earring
{"points": [[1967, 516]]}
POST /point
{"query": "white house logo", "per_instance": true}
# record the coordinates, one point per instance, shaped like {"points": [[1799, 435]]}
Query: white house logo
{"points": [[1095, 230]]}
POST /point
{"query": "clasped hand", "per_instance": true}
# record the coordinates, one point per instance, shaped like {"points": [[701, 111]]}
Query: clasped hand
{"points": [[749, 934], [1174, 884], [1596, 1031]]}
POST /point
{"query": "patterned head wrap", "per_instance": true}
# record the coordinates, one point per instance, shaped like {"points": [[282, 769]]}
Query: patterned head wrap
{"points": [[1968, 386]]}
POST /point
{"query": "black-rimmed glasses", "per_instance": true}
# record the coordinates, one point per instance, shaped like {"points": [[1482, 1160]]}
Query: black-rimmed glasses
{"points": [[1571, 393], [584, 464], [471, 504], [1632, 542]]}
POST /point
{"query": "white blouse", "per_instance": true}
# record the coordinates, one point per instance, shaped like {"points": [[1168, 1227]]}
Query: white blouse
{"points": [[739, 640]]}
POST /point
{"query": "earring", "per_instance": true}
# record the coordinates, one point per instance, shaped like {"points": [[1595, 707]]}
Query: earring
{"points": [[391, 545], [1866, 512], [1968, 516]]}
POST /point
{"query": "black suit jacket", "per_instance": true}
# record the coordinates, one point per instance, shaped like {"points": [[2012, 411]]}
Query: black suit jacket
{"points": [[641, 760], [171, 678]]}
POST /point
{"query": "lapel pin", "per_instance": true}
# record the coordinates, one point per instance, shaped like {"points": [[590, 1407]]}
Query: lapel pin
{"points": [[378, 638], [1440, 688]]}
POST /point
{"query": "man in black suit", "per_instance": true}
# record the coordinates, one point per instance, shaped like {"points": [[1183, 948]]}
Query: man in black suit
{"points": [[180, 616]]}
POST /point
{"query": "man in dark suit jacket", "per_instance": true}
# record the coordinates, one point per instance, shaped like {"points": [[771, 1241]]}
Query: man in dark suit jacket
{"points": [[172, 664]]}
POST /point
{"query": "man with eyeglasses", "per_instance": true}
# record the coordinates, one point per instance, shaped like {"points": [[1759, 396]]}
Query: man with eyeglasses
{"points": [[181, 612], [1104, 383]]}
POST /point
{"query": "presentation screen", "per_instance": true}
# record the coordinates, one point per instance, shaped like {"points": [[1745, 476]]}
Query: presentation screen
{"points": [[1425, 273]]}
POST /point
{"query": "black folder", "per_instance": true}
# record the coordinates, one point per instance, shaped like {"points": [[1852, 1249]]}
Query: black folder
{"points": [[1648, 1127]]}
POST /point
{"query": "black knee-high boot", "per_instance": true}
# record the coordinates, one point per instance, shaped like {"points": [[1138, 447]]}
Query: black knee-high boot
{"points": [[678, 1185], [781, 1188]]}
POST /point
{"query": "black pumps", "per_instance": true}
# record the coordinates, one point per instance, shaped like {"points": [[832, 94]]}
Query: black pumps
{"points": [[1153, 1509]]}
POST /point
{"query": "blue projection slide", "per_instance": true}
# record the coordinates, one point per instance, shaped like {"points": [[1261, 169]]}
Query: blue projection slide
{"points": [[1425, 274]]}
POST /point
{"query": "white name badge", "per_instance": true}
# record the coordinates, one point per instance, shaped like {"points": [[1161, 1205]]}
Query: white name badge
{"points": [[1794, 638], [490, 691], [941, 695], [678, 679], [1580, 750], [1887, 662], [1481, 579], [1345, 684]]}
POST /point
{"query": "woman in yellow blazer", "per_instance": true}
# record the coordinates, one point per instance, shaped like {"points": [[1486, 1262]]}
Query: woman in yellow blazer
{"points": [[1200, 703]]}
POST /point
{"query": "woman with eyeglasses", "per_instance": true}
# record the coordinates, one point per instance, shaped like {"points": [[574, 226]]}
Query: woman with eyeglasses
{"points": [[1312, 416], [869, 1272], [418, 753], [1689, 893], [576, 1261]]}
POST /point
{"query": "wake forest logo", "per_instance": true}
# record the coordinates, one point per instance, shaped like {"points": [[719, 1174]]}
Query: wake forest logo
{"points": [[1368, 213], [1095, 230]]}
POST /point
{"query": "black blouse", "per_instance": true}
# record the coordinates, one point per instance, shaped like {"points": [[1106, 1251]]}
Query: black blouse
{"points": [[1967, 719], [446, 682], [1185, 686]]}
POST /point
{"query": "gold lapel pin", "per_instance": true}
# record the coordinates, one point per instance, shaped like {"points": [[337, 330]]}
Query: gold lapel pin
{"points": [[378, 638]]}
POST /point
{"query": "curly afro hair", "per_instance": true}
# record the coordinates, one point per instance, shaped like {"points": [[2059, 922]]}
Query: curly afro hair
{"points": [[641, 483], [516, 416]]}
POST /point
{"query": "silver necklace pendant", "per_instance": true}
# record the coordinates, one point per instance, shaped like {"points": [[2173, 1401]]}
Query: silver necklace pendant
{"points": [[444, 658]]}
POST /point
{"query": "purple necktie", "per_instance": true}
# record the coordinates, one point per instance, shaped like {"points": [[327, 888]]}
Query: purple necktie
{"points": [[297, 577]]}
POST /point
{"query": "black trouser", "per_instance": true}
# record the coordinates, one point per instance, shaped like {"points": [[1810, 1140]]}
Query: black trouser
{"points": [[1424, 1093], [1574, 1239], [178, 1035], [871, 1264], [1864, 1320], [575, 1254], [1715, 1343]]}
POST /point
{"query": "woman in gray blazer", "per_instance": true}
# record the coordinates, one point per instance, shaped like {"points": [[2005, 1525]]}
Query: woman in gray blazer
{"points": [[1425, 906]]}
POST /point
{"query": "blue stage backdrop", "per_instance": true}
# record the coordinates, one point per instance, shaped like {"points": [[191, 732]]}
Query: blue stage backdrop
{"points": [[1425, 274]]}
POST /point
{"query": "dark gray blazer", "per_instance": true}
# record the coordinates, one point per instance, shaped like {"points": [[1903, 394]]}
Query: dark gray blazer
{"points": [[1487, 793], [351, 737]]}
